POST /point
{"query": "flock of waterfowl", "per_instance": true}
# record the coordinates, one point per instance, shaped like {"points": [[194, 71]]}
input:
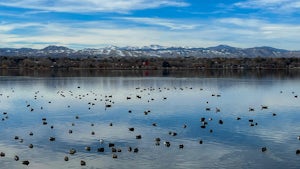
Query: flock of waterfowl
{"points": [[108, 102]]}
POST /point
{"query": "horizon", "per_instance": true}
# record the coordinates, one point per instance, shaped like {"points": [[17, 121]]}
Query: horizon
{"points": [[178, 23], [108, 46]]}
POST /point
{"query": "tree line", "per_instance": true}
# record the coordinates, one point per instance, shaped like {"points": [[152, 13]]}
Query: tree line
{"points": [[148, 63]]}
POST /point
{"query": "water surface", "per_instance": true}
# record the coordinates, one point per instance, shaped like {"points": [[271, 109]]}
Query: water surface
{"points": [[170, 101]]}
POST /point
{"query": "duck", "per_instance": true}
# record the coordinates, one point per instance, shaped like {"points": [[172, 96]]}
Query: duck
{"points": [[113, 150], [66, 158], [72, 151], [157, 139], [101, 149], [220, 121], [26, 162], [251, 109], [167, 143], [87, 148], [172, 133], [52, 138], [264, 149], [16, 158], [30, 146], [264, 107], [82, 163]]}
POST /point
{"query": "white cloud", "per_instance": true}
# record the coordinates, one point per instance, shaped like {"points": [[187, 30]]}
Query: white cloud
{"points": [[76, 6], [286, 6], [264, 29], [171, 24], [232, 31]]}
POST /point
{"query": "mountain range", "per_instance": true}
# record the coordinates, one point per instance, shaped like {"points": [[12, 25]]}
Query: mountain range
{"points": [[150, 51]]}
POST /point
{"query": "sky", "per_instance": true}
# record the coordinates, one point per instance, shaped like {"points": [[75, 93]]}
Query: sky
{"points": [[193, 23]]}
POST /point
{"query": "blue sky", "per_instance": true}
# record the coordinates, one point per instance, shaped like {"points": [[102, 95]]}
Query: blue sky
{"points": [[195, 23]]}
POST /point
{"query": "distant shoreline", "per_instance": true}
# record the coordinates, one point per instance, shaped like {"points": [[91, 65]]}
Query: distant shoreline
{"points": [[145, 63]]}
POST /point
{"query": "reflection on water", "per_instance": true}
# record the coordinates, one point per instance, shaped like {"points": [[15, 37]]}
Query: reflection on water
{"points": [[159, 107], [285, 73]]}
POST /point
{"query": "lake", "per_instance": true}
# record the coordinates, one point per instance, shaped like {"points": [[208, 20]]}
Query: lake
{"points": [[212, 119]]}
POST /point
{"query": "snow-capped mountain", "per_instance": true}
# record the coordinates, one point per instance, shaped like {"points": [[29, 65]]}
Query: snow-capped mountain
{"points": [[150, 51]]}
